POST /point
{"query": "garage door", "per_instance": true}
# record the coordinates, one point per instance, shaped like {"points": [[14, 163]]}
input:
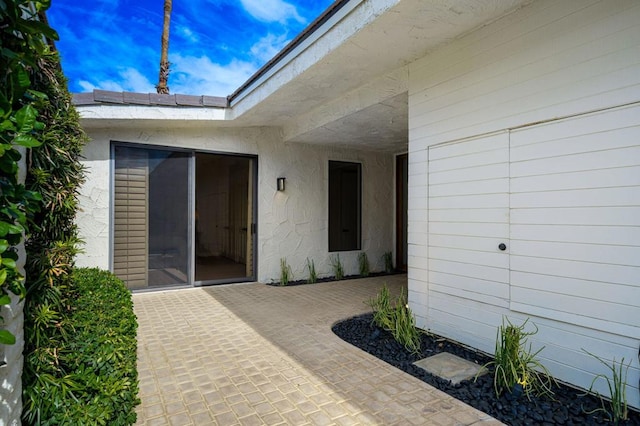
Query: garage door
{"points": [[564, 199]]}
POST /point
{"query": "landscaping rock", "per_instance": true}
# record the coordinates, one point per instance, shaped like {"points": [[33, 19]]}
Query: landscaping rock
{"points": [[570, 406]]}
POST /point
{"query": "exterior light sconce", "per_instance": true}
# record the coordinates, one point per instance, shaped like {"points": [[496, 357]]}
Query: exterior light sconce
{"points": [[280, 183]]}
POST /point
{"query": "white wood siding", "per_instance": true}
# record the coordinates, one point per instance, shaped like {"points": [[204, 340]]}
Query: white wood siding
{"points": [[586, 163], [574, 184], [468, 219], [550, 59]]}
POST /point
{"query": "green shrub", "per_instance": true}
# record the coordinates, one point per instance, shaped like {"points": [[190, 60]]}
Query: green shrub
{"points": [[363, 263], [94, 379], [396, 318], [23, 46]]}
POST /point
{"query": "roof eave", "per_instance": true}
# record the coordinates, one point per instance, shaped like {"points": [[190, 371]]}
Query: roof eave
{"points": [[281, 58]]}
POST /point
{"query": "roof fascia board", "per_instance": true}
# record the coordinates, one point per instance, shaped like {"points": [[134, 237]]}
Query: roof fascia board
{"points": [[293, 53]]}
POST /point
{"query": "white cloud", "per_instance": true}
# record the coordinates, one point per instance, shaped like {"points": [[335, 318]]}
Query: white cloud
{"points": [[131, 80], [187, 34], [267, 47], [192, 75], [189, 75], [136, 82], [86, 86], [272, 10]]}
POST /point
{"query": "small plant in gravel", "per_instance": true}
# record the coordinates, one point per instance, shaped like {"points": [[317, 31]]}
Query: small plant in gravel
{"points": [[285, 272], [363, 263], [517, 369], [338, 269], [617, 409], [396, 318], [313, 276], [387, 257], [405, 330], [382, 309]]}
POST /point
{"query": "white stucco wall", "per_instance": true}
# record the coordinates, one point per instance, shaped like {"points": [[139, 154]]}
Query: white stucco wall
{"points": [[548, 60], [291, 224]]}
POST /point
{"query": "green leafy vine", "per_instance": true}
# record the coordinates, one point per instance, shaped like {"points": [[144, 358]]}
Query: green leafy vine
{"points": [[23, 42]]}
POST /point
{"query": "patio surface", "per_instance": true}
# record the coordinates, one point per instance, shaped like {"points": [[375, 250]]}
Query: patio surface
{"points": [[252, 354]]}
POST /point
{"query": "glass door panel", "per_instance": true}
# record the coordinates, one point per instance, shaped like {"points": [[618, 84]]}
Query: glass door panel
{"points": [[168, 218], [224, 218]]}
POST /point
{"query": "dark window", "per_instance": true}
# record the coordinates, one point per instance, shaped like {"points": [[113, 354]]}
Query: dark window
{"points": [[345, 203]]}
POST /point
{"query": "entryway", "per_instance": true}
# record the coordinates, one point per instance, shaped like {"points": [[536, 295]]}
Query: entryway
{"points": [[182, 217]]}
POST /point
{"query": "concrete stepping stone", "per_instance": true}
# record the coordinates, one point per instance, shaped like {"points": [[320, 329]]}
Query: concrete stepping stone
{"points": [[450, 367]]}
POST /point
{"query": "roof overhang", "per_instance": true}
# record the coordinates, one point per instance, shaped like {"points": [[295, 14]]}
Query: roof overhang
{"points": [[342, 81]]}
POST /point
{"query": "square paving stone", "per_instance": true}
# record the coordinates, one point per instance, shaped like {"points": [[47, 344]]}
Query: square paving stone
{"points": [[450, 367]]}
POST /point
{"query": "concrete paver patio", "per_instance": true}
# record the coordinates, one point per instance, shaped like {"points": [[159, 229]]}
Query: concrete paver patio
{"points": [[252, 354]]}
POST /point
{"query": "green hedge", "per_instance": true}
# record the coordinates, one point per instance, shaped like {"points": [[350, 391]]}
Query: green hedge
{"points": [[96, 381]]}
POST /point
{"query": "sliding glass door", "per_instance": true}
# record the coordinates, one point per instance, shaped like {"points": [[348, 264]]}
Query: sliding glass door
{"points": [[224, 217], [182, 218]]}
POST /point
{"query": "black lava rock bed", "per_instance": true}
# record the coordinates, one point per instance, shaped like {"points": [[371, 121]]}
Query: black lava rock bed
{"points": [[570, 406], [330, 279]]}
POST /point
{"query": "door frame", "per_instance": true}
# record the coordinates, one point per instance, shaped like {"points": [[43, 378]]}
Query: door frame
{"points": [[191, 207]]}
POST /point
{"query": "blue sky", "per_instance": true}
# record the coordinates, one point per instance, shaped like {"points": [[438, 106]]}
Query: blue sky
{"points": [[214, 47]]}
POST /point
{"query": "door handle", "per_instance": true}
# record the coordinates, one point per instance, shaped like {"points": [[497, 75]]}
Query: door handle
{"points": [[502, 246]]}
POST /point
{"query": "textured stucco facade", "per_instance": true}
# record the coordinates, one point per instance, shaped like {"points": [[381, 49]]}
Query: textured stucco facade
{"points": [[292, 224]]}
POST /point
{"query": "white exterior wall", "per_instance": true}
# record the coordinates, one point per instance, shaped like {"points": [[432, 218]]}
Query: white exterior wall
{"points": [[291, 224], [545, 61]]}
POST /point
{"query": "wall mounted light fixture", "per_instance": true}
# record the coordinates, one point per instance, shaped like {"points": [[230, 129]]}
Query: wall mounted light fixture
{"points": [[280, 183]]}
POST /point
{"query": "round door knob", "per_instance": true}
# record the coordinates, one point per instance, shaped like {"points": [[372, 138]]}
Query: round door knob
{"points": [[502, 246]]}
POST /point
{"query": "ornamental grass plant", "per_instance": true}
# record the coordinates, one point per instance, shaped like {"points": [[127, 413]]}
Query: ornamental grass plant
{"points": [[286, 274], [313, 275], [615, 408], [336, 265], [517, 369], [397, 318], [363, 264]]}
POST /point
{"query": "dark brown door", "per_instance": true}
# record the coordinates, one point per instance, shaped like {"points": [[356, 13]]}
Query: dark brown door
{"points": [[402, 178]]}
